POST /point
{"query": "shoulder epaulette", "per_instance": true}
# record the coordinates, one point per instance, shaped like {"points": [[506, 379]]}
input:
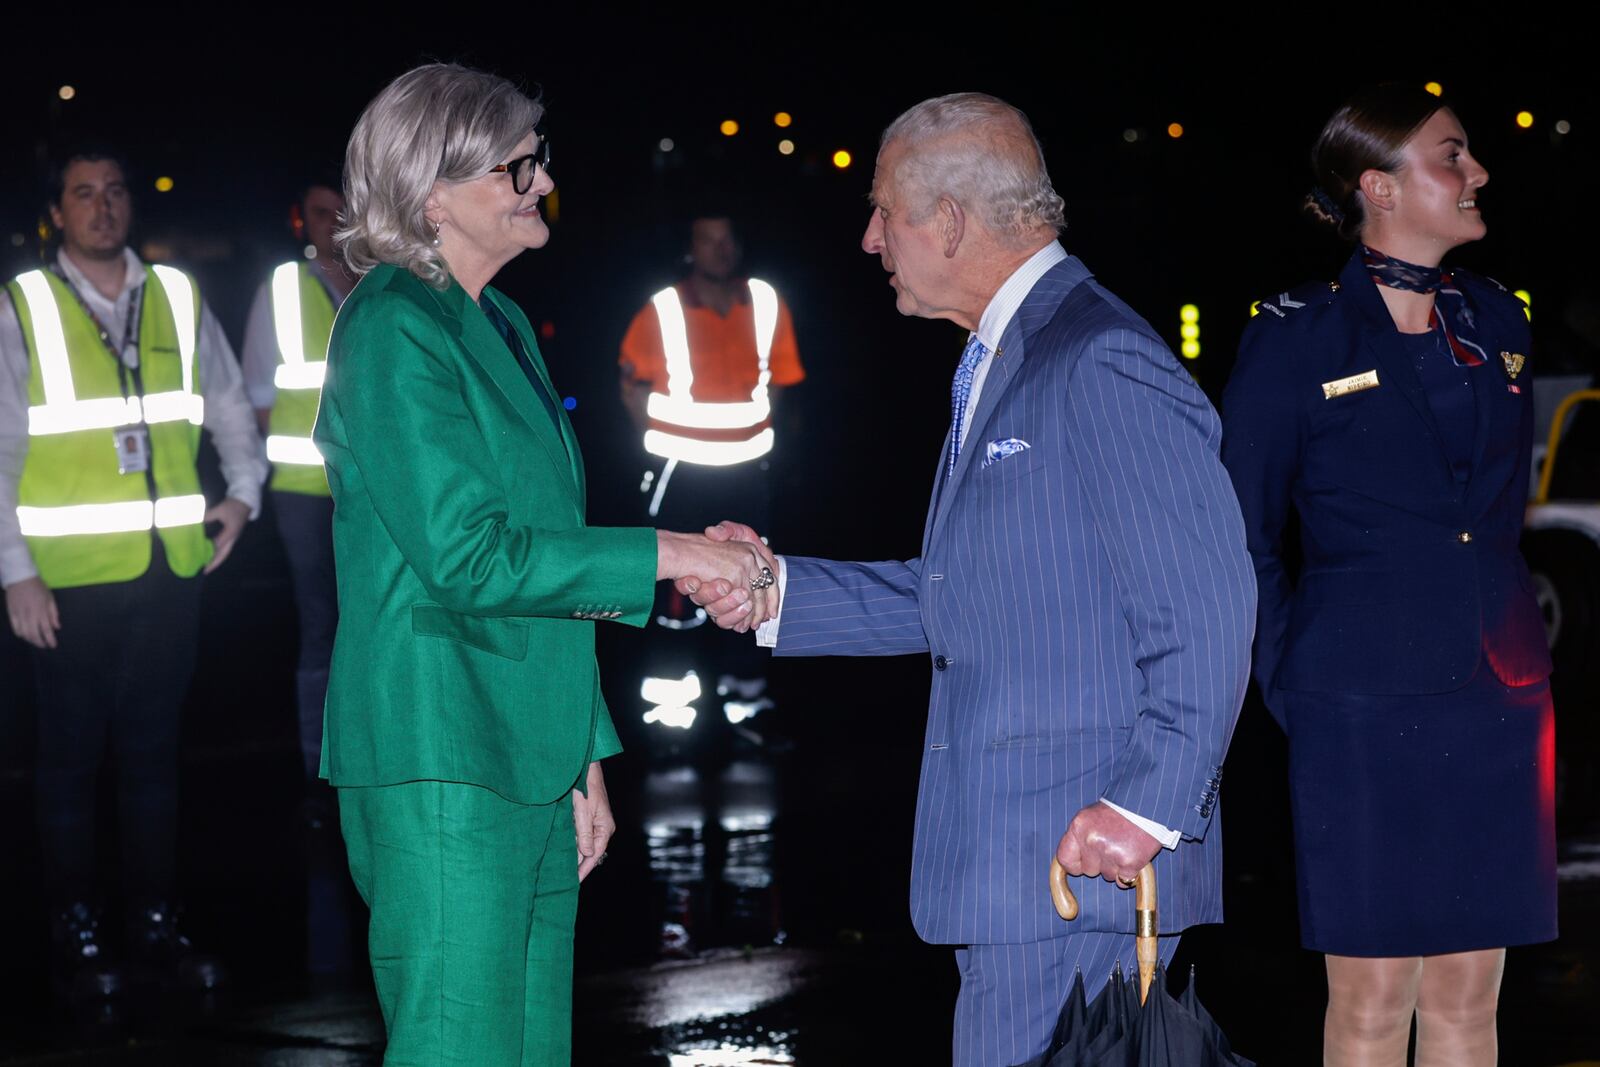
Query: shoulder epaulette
{"points": [[1311, 294]]}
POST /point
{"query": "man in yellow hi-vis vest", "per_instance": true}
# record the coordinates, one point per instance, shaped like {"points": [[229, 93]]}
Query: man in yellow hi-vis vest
{"points": [[285, 352], [109, 367]]}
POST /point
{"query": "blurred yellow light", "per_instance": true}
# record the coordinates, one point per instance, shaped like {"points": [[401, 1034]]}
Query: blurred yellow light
{"points": [[163, 184], [729, 127], [841, 159], [66, 92], [1527, 303], [1524, 119], [783, 120], [1255, 308], [1435, 88], [1191, 350], [786, 147], [1175, 130], [1189, 313], [1190, 331]]}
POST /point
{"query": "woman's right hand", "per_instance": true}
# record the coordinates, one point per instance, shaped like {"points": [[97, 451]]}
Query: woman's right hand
{"points": [[736, 563]]}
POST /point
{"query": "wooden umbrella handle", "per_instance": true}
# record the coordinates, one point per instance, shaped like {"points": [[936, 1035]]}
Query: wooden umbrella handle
{"points": [[1146, 925]]}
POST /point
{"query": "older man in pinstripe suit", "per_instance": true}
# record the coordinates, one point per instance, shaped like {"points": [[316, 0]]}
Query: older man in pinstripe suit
{"points": [[1083, 592]]}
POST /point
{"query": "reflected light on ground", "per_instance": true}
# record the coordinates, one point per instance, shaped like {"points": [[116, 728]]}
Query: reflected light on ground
{"points": [[738, 711], [730, 1056], [671, 691], [680, 717]]}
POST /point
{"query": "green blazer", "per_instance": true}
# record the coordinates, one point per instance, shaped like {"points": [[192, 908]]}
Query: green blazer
{"points": [[468, 582]]}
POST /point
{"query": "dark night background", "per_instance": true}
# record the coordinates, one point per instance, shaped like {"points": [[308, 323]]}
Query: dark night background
{"points": [[241, 106]]}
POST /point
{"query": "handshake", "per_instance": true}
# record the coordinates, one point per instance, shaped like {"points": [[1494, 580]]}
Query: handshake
{"points": [[727, 570]]}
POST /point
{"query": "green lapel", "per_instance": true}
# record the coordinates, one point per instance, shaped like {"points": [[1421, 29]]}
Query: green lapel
{"points": [[486, 348], [569, 439]]}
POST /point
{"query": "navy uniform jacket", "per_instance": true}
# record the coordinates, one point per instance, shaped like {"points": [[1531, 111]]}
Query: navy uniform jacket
{"points": [[1410, 576]]}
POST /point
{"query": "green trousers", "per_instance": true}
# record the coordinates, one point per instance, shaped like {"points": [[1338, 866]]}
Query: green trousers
{"points": [[473, 903]]}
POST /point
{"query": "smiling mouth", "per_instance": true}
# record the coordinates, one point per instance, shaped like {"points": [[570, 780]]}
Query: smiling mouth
{"points": [[1469, 204]]}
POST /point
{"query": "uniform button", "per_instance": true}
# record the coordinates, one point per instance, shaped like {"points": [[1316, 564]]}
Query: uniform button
{"points": [[1465, 537], [940, 663]]}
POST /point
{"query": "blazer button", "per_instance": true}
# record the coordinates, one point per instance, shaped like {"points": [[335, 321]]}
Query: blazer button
{"points": [[1465, 537], [940, 663]]}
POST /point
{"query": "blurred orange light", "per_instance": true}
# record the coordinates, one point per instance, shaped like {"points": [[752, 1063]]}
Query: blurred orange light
{"points": [[1175, 130], [163, 184], [729, 127], [783, 120]]}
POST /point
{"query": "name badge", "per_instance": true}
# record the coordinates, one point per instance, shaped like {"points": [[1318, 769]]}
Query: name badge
{"points": [[133, 449], [1353, 384]]}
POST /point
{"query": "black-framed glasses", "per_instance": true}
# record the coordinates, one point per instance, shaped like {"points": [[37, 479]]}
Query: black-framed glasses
{"points": [[521, 169]]}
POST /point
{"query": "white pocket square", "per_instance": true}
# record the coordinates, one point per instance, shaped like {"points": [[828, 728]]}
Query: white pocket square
{"points": [[995, 451]]}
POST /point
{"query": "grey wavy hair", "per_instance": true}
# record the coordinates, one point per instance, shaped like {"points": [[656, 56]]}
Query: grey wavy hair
{"points": [[995, 171], [439, 122]]}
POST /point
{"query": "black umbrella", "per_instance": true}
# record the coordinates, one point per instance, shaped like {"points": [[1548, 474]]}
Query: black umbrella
{"points": [[1125, 1028]]}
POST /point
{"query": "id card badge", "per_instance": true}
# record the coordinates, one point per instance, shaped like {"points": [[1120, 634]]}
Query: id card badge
{"points": [[133, 449]]}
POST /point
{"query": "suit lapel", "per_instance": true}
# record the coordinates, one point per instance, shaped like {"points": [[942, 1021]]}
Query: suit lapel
{"points": [[486, 348], [1037, 308]]}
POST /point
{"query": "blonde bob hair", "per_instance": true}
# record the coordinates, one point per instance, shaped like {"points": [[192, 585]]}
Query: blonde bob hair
{"points": [[439, 122]]}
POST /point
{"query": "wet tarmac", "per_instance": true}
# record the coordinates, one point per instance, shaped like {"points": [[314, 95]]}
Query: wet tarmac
{"points": [[753, 909]]}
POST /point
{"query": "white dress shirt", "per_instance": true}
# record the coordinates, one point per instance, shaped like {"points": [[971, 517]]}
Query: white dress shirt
{"points": [[992, 326], [227, 413]]}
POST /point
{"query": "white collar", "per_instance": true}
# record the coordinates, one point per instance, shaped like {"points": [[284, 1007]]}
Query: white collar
{"points": [[132, 278], [1005, 302]]}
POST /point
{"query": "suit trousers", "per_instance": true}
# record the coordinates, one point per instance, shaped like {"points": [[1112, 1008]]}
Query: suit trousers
{"points": [[115, 683], [1011, 995], [305, 525], [473, 902]]}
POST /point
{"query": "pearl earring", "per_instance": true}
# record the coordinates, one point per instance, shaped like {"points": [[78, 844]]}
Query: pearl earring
{"points": [[436, 226]]}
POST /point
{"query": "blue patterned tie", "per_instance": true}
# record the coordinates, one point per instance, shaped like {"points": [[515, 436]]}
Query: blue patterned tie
{"points": [[960, 392]]}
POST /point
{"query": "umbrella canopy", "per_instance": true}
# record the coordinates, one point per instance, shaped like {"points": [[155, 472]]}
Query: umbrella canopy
{"points": [[1133, 1026]]}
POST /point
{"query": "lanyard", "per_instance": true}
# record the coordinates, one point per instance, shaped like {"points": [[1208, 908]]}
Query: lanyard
{"points": [[129, 336]]}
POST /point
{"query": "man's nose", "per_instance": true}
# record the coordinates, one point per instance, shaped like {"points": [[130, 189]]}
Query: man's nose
{"points": [[872, 240]]}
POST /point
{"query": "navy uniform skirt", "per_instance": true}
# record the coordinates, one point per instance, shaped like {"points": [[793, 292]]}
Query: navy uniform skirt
{"points": [[1424, 825]]}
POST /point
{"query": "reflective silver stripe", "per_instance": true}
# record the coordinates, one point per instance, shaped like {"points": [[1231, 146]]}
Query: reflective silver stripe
{"points": [[709, 453], [180, 295], [62, 412], [300, 375], [112, 411], [44, 419], [286, 313], [297, 450], [174, 407], [677, 405], [128, 516], [49, 340]]}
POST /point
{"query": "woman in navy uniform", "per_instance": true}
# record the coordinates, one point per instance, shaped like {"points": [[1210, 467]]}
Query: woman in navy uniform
{"points": [[1406, 659]]}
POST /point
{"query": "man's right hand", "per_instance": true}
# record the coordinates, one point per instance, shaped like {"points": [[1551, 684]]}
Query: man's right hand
{"points": [[720, 599], [32, 609]]}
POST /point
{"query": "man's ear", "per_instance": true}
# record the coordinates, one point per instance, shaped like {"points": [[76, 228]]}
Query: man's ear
{"points": [[952, 225]]}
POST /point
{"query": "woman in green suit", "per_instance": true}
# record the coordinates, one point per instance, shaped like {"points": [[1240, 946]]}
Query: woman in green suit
{"points": [[465, 723]]}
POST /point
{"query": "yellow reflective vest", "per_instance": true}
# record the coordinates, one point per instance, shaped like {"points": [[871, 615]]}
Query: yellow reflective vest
{"points": [[302, 316], [85, 522]]}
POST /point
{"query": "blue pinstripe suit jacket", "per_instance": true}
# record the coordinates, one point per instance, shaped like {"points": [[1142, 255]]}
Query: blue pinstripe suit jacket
{"points": [[1088, 605]]}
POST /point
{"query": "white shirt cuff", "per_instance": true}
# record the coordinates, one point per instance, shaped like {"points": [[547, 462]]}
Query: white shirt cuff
{"points": [[767, 632], [1168, 838]]}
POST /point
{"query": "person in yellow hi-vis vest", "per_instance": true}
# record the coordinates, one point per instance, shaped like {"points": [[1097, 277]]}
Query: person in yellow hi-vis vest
{"points": [[109, 367], [285, 353]]}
